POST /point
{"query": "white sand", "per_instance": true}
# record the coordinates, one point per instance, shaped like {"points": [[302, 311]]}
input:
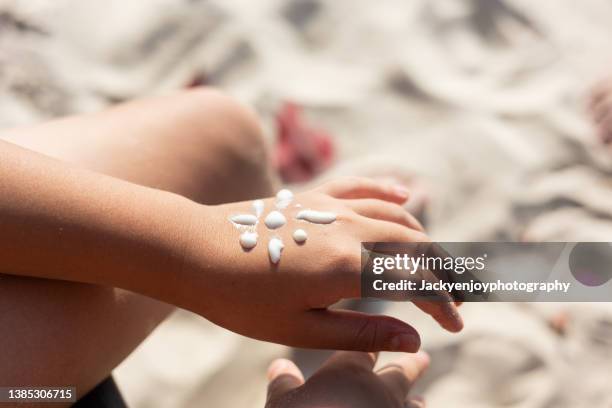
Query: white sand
{"points": [[486, 104]]}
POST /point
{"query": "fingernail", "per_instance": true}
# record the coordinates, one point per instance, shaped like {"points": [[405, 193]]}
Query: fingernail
{"points": [[401, 191], [405, 342], [422, 356], [276, 367]]}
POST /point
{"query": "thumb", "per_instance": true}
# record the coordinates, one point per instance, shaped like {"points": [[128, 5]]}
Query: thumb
{"points": [[347, 330], [283, 376]]}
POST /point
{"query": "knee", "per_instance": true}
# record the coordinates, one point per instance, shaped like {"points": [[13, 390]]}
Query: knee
{"points": [[232, 143], [240, 135]]}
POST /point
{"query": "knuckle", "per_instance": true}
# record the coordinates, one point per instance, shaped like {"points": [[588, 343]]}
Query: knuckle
{"points": [[352, 182], [356, 182], [347, 258], [338, 184], [416, 236], [410, 235], [348, 216]]}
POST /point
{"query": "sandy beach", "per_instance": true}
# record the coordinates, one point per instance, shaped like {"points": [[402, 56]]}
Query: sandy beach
{"points": [[482, 101]]}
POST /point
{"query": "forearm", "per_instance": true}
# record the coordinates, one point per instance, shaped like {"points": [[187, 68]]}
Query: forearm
{"points": [[61, 222]]}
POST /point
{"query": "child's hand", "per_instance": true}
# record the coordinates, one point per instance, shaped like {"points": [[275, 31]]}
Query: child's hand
{"points": [[288, 302], [347, 380]]}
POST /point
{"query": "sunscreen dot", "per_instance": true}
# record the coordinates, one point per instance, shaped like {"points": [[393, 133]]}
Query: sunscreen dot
{"points": [[275, 247], [300, 236], [244, 219], [275, 220], [284, 195], [258, 207], [248, 240], [316, 217], [283, 198]]}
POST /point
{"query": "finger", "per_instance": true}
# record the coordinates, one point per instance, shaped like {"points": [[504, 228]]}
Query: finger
{"points": [[385, 211], [347, 277], [445, 313], [601, 109], [599, 92], [388, 231], [356, 359], [359, 187], [443, 310], [436, 250], [355, 331], [605, 127], [399, 376], [605, 134], [283, 376]]}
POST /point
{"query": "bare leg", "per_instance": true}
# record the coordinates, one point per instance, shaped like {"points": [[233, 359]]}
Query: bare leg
{"points": [[196, 143]]}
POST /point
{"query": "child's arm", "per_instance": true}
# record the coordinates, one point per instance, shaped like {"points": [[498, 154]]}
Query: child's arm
{"points": [[61, 222]]}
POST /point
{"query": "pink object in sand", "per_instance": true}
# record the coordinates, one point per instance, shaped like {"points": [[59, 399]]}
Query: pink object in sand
{"points": [[302, 151]]}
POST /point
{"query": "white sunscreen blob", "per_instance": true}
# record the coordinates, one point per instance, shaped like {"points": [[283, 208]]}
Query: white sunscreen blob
{"points": [[275, 247], [300, 236], [248, 240], [284, 194], [244, 219], [275, 220], [258, 207], [316, 217], [283, 198]]}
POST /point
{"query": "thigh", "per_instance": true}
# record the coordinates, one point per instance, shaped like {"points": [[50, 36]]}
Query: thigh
{"points": [[199, 144], [64, 333]]}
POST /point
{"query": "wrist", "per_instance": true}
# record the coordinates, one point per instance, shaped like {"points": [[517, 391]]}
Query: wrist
{"points": [[187, 284], [162, 261]]}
